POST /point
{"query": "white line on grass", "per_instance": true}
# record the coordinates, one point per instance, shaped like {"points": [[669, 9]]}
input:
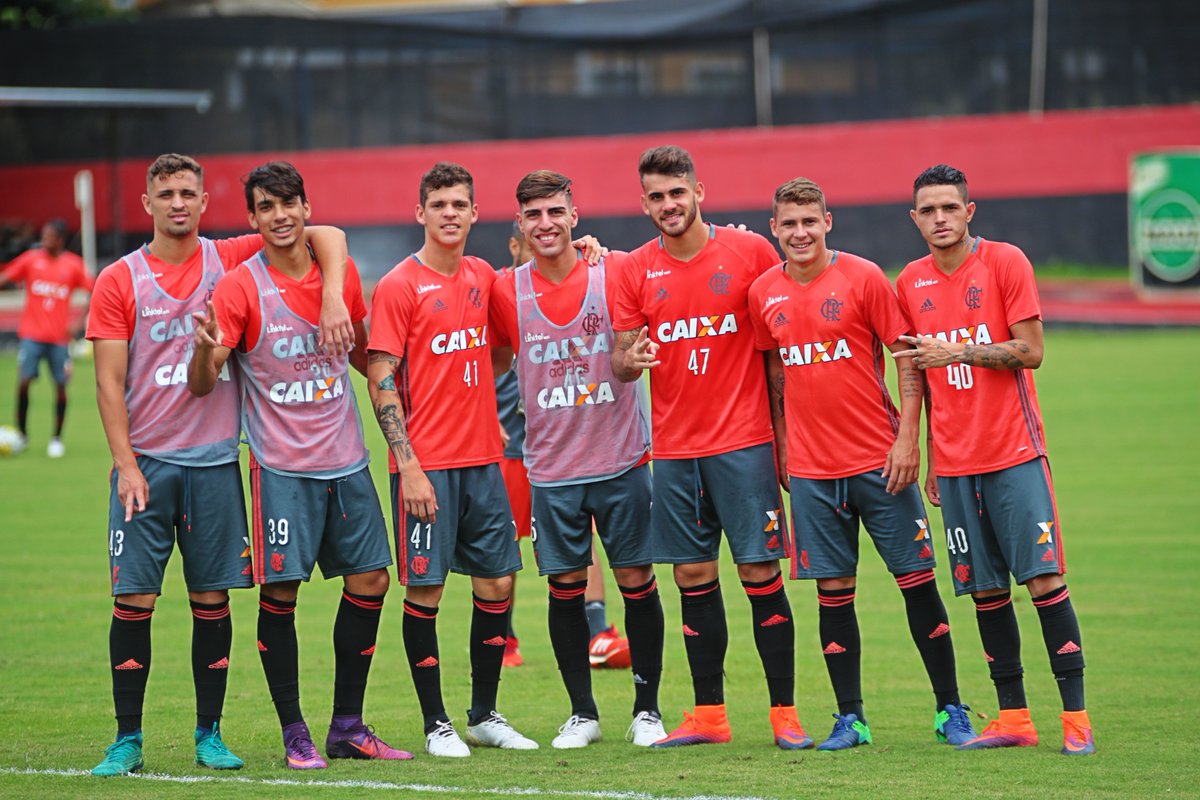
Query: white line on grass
{"points": [[385, 785]]}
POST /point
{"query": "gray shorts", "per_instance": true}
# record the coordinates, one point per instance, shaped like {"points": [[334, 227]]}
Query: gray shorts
{"points": [[999, 523], [696, 498], [474, 533], [826, 516], [562, 522], [30, 354], [202, 509], [301, 522]]}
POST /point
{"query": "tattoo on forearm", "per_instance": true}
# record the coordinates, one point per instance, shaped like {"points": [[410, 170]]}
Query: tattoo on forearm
{"points": [[375, 356], [391, 422], [388, 384], [775, 388], [996, 356], [625, 339], [910, 381]]}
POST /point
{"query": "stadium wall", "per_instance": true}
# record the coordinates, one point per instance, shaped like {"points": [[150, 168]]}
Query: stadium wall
{"points": [[1053, 183]]}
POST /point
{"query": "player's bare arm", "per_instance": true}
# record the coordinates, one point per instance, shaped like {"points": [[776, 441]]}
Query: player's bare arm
{"points": [[358, 355], [1023, 351], [775, 387], [112, 362], [931, 485], [331, 252], [419, 498], [903, 465], [634, 351], [502, 360], [208, 354]]}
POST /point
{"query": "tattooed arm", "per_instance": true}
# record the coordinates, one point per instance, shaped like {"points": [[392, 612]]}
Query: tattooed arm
{"points": [[634, 352], [903, 465], [1023, 351], [415, 488], [775, 383]]}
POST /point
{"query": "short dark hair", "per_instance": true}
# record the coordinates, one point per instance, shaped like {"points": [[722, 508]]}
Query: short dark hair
{"points": [[170, 163], [801, 191], [276, 178], [59, 226], [443, 175], [941, 175], [667, 159], [543, 183]]}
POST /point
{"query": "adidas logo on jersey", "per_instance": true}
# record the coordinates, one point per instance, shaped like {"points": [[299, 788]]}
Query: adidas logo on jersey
{"points": [[801, 355], [439, 306], [928, 306], [695, 327], [972, 334], [575, 347], [569, 396], [465, 339]]}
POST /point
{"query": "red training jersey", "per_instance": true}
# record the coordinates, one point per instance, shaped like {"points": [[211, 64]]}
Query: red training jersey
{"points": [[438, 326], [708, 395], [239, 312], [982, 419], [49, 282], [831, 335], [113, 309]]}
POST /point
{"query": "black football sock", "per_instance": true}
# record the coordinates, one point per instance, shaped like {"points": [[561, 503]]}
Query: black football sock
{"points": [[212, 638], [930, 628], [421, 649], [60, 411], [597, 617], [840, 642], [489, 624], [280, 655], [23, 409], [569, 638], [1060, 630], [354, 633], [775, 637], [129, 658], [644, 626], [706, 638], [1001, 640]]}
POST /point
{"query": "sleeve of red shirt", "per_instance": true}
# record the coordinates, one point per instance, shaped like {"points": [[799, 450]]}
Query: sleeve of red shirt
{"points": [[232, 304], [902, 297], [882, 305], [111, 312], [502, 311], [627, 313], [16, 269], [353, 292], [763, 339], [391, 309], [237, 249], [1017, 285]]}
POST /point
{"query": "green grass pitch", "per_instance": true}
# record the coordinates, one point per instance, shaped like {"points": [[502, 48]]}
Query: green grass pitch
{"points": [[1121, 413]]}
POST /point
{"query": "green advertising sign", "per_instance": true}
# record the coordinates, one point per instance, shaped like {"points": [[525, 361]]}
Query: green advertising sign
{"points": [[1164, 219]]}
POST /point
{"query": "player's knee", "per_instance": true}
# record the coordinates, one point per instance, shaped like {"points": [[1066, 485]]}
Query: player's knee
{"points": [[1044, 584], [374, 583], [286, 591], [633, 576], [209, 598], [571, 577], [493, 588], [830, 584], [758, 571], [428, 596], [137, 600], [695, 574]]}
